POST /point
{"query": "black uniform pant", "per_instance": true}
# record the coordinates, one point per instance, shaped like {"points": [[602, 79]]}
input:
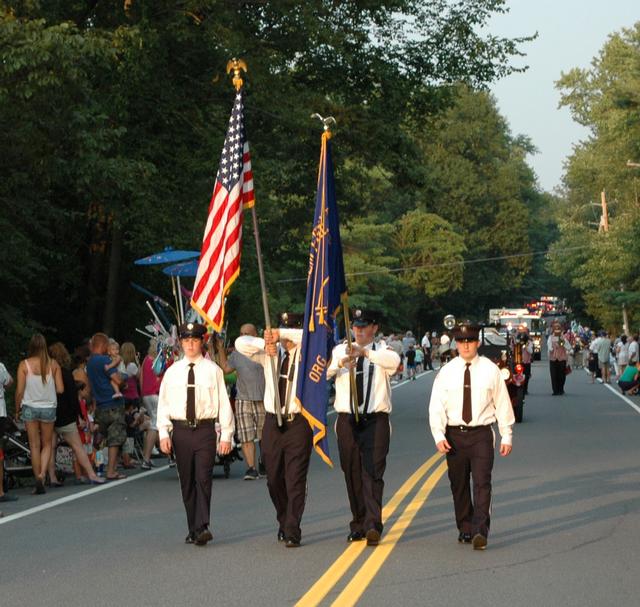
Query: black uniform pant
{"points": [[286, 452], [195, 451], [363, 451], [428, 363], [557, 369], [527, 376], [471, 456]]}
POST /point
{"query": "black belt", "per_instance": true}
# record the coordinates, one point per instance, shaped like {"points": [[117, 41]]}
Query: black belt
{"points": [[468, 428], [289, 417], [365, 415], [183, 423]]}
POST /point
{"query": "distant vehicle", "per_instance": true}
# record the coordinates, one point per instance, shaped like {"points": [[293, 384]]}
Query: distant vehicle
{"points": [[506, 351], [510, 319]]}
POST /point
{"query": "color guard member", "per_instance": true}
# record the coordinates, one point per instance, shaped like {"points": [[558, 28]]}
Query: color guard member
{"points": [[287, 449], [192, 395], [364, 444], [468, 396]]}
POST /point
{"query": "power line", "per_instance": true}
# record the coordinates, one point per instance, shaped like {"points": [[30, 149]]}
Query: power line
{"points": [[447, 263]]}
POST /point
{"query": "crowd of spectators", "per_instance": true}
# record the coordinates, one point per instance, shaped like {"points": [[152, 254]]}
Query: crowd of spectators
{"points": [[607, 358], [89, 403], [101, 402]]}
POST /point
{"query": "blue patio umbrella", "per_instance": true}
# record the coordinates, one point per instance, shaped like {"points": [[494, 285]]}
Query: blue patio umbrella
{"points": [[186, 268], [169, 255]]}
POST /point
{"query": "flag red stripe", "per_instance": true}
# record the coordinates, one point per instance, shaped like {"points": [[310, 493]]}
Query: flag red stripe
{"points": [[230, 241], [216, 255]]}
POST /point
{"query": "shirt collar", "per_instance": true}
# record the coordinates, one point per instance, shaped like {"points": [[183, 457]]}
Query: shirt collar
{"points": [[474, 362], [195, 361]]}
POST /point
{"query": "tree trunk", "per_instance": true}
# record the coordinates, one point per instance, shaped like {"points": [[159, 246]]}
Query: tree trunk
{"points": [[111, 296]]}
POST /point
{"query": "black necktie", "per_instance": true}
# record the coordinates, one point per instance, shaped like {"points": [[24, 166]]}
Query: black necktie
{"points": [[284, 377], [360, 380], [466, 395], [191, 395]]}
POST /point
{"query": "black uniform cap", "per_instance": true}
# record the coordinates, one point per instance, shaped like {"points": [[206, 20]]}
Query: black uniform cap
{"points": [[466, 330], [364, 318], [192, 329], [291, 320]]}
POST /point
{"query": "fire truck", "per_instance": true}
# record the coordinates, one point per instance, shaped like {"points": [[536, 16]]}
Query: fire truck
{"points": [[514, 319]]}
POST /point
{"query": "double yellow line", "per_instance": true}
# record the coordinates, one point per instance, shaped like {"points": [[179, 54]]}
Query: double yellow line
{"points": [[362, 578]]}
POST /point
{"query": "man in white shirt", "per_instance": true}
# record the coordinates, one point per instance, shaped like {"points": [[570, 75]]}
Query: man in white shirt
{"points": [[633, 350], [192, 395], [468, 396], [364, 444], [286, 449], [426, 347]]}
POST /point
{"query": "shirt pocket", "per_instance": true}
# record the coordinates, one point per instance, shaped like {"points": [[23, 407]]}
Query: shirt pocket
{"points": [[207, 395]]}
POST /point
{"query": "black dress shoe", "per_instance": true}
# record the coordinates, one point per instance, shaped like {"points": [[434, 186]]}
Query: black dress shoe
{"points": [[355, 536], [291, 543], [203, 537], [190, 539], [464, 538], [479, 542], [373, 537], [281, 537]]}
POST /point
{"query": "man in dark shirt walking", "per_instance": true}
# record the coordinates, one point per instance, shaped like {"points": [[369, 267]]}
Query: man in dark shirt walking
{"points": [[109, 410]]}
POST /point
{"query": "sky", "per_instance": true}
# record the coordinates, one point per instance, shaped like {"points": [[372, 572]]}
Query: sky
{"points": [[570, 34]]}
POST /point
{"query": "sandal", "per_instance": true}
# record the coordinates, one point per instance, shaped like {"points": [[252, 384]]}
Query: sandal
{"points": [[117, 477], [98, 481], [39, 488]]}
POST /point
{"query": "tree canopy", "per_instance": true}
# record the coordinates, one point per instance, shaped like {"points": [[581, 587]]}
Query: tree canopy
{"points": [[113, 115], [598, 264]]}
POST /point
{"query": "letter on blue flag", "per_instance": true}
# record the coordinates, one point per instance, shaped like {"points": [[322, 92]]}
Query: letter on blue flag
{"points": [[325, 286]]}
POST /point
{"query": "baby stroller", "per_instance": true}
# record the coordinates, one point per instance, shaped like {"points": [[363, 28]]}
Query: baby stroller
{"points": [[17, 455], [226, 460]]}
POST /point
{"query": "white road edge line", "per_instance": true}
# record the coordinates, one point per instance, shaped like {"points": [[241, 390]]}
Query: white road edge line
{"points": [[623, 397], [77, 496]]}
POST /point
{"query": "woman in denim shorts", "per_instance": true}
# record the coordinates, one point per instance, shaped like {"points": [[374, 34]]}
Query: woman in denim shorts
{"points": [[39, 379]]}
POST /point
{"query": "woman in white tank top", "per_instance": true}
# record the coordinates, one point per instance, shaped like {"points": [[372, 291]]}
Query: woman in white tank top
{"points": [[38, 383]]}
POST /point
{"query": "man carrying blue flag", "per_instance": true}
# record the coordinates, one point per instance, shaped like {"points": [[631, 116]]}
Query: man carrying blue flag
{"points": [[363, 437]]}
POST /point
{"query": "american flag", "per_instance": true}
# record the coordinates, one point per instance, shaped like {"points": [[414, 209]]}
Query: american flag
{"points": [[219, 264]]}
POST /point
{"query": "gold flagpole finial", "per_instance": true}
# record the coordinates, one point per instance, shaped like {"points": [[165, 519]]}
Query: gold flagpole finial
{"points": [[326, 122], [237, 65]]}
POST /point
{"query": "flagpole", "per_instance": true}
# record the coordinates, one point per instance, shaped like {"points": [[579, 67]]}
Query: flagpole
{"points": [[352, 374], [236, 65]]}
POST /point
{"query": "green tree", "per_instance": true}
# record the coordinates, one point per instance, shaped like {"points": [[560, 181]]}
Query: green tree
{"points": [[606, 99], [431, 253], [114, 119]]}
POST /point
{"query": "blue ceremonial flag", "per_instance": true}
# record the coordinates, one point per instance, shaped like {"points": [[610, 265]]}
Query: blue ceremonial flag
{"points": [[326, 286]]}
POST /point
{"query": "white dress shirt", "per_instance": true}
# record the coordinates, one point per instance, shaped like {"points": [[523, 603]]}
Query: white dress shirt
{"points": [[385, 361], [557, 351], [490, 400], [253, 347], [212, 400]]}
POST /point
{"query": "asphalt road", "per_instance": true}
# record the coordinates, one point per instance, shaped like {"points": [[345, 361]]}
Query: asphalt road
{"points": [[565, 526]]}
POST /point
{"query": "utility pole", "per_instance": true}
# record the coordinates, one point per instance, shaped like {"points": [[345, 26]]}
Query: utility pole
{"points": [[604, 218], [625, 317]]}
